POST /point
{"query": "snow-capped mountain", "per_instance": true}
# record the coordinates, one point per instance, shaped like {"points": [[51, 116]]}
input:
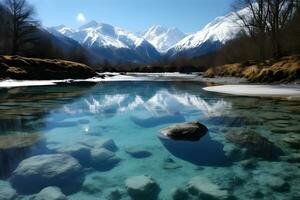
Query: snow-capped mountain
{"points": [[67, 44], [211, 37], [118, 45], [112, 43], [163, 38]]}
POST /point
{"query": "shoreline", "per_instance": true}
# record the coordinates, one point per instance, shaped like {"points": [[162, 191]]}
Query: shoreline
{"points": [[117, 77], [223, 85]]}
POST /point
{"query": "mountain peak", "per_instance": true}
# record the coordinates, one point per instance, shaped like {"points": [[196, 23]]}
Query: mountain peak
{"points": [[91, 24], [157, 29], [163, 38], [59, 27]]}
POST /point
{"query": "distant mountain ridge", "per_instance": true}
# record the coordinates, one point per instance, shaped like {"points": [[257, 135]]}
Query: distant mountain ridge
{"points": [[212, 37], [120, 46], [112, 43]]}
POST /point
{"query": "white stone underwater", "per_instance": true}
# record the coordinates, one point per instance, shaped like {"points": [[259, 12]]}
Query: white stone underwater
{"points": [[91, 141]]}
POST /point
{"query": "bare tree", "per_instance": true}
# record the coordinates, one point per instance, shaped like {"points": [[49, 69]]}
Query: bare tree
{"points": [[23, 24], [280, 15], [256, 24], [4, 27]]}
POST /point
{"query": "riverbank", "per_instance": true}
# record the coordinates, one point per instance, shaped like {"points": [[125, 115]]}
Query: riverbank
{"points": [[285, 70], [290, 92], [23, 68]]}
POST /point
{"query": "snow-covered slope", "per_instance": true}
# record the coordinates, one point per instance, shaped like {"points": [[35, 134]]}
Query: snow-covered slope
{"points": [[163, 38], [101, 35], [211, 37], [119, 45], [114, 43]]}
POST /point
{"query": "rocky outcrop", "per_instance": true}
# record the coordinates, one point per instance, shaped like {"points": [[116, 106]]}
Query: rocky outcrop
{"points": [[191, 131], [42, 171], [50, 193], [22, 68], [286, 69], [142, 187]]}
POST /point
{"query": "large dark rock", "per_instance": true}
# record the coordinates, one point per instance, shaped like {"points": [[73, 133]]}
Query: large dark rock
{"points": [[255, 144], [38, 172], [191, 131], [205, 151]]}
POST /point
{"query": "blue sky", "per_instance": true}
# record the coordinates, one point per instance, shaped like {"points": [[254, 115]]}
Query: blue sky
{"points": [[132, 15]]}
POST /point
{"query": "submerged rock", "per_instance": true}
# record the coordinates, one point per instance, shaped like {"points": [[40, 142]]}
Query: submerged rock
{"points": [[138, 152], [230, 121], [205, 152], [98, 142], [115, 194], [248, 164], [80, 152], [191, 131], [7, 193], [103, 159], [293, 141], [50, 193], [276, 183], [17, 146], [292, 158], [255, 144], [169, 163], [180, 194], [203, 188], [18, 141], [142, 187], [90, 186], [41, 171]]}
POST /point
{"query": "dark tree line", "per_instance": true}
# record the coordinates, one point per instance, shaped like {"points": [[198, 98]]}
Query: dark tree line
{"points": [[271, 31], [268, 22], [18, 27], [21, 34]]}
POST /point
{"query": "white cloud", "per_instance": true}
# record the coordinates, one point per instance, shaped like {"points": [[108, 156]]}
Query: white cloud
{"points": [[81, 18]]}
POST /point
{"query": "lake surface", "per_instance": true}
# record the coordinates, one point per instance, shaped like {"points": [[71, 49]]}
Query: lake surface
{"points": [[252, 149]]}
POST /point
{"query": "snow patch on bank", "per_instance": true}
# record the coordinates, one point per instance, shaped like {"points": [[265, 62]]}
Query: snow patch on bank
{"points": [[108, 77], [27, 83], [286, 91]]}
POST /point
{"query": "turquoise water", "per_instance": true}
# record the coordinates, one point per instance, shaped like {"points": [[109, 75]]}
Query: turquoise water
{"points": [[49, 119]]}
